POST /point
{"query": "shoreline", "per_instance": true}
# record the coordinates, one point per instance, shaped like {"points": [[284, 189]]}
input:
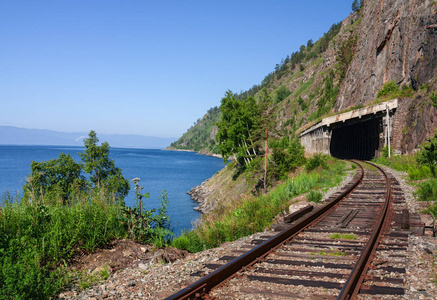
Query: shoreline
{"points": [[201, 152]]}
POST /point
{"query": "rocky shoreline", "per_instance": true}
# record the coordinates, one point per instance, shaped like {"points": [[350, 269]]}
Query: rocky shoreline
{"points": [[201, 194], [201, 152]]}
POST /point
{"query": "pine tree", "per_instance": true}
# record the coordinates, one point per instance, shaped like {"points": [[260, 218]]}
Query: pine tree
{"points": [[355, 6], [266, 124]]}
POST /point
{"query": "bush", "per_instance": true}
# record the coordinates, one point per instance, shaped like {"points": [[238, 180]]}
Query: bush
{"points": [[287, 156], [433, 97], [428, 154], [314, 196], [318, 160], [389, 88], [427, 191]]}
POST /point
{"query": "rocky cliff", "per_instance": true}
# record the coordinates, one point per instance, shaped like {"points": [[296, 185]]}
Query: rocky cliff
{"points": [[396, 41]]}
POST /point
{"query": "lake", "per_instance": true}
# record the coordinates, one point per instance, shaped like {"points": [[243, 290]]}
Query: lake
{"points": [[176, 172]]}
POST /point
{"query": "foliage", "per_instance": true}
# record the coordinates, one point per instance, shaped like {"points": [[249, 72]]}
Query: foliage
{"points": [[314, 196], [146, 227], [433, 98], [61, 176], [101, 169], [326, 102], [345, 55], [264, 124], [428, 154], [281, 93], [391, 90], [406, 163], [253, 214], [388, 88], [318, 160], [355, 6], [384, 152], [287, 155], [198, 136], [427, 190], [302, 103], [236, 127], [323, 42], [343, 236]]}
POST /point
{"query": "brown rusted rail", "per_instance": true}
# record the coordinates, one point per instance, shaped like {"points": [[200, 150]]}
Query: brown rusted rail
{"points": [[352, 286], [203, 286]]}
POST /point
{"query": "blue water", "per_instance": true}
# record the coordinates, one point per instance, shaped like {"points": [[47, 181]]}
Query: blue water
{"points": [[172, 171]]}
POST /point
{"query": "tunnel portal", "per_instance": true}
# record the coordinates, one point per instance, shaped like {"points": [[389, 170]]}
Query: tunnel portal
{"points": [[356, 134], [357, 141]]}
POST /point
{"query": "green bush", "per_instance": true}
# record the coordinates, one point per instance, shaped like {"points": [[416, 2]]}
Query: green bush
{"points": [[389, 88], [318, 160], [428, 154], [314, 196], [433, 98], [427, 191]]}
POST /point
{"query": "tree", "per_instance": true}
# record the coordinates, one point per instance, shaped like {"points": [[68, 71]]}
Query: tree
{"points": [[265, 124], [60, 177], [355, 6], [235, 128], [101, 169], [310, 44], [428, 154]]}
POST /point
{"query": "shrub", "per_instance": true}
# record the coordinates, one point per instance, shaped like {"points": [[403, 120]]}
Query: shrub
{"points": [[427, 190], [433, 97], [318, 160], [314, 196], [287, 156], [428, 154], [389, 88]]}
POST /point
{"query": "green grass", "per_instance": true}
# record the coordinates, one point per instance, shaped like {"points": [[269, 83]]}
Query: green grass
{"points": [[254, 214], [427, 190], [314, 196], [344, 236], [406, 163], [37, 240]]}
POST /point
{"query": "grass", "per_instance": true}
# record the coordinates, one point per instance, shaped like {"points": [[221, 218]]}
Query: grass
{"points": [[314, 196], [331, 253], [344, 236], [37, 240], [406, 163], [253, 214]]}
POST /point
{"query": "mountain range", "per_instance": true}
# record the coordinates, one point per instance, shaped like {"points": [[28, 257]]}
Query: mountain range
{"points": [[10, 135]]}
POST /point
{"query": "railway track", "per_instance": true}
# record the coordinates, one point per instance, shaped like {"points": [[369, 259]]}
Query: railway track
{"points": [[354, 247]]}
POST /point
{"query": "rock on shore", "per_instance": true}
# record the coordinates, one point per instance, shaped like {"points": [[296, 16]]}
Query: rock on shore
{"points": [[201, 194]]}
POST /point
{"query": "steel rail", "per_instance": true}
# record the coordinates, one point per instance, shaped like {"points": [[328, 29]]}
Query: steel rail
{"points": [[353, 283], [203, 286]]}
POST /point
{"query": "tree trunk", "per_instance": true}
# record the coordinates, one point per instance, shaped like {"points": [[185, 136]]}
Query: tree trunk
{"points": [[265, 161]]}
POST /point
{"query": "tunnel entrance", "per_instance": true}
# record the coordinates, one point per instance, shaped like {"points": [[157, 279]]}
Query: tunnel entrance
{"points": [[356, 141]]}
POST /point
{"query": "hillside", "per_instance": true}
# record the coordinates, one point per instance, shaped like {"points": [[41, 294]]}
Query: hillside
{"points": [[383, 41]]}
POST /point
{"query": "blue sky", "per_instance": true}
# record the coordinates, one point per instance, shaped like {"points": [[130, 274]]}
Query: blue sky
{"points": [[142, 67]]}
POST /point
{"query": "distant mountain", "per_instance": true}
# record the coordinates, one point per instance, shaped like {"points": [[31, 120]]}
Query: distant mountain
{"points": [[21, 136]]}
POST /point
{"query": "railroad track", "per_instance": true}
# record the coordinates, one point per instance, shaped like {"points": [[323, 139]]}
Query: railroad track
{"points": [[352, 247]]}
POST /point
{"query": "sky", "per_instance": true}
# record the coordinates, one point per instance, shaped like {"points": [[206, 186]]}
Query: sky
{"points": [[142, 67]]}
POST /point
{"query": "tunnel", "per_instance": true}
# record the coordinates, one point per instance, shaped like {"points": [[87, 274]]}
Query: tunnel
{"points": [[356, 141]]}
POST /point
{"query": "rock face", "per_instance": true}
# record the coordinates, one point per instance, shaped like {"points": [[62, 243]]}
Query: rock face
{"points": [[393, 44], [396, 43]]}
